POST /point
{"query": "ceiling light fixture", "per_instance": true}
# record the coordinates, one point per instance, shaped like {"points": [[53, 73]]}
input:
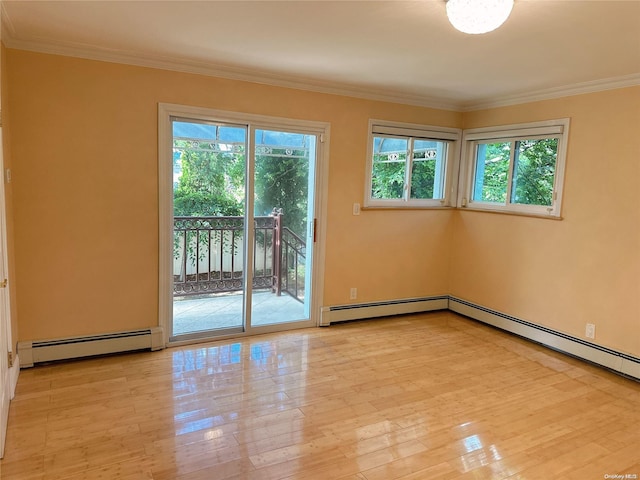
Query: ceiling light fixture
{"points": [[478, 16]]}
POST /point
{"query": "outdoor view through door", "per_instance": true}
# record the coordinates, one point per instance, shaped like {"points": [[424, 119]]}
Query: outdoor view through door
{"points": [[242, 226]]}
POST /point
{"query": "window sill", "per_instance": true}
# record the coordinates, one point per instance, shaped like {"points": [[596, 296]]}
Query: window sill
{"points": [[407, 207], [463, 209], [510, 212]]}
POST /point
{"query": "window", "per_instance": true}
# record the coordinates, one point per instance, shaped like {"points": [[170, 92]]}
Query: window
{"points": [[410, 165], [517, 168]]}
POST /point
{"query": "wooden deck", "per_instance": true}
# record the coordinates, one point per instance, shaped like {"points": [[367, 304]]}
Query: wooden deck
{"points": [[431, 396]]}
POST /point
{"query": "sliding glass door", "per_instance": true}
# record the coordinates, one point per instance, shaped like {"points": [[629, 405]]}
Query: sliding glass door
{"points": [[243, 226], [209, 169], [284, 163]]}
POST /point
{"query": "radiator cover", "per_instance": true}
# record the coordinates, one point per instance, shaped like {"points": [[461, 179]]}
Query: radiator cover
{"points": [[32, 352], [616, 361], [359, 311]]}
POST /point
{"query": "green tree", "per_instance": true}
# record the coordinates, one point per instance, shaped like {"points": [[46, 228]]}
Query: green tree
{"points": [[495, 172], [535, 171], [388, 177], [211, 183], [423, 176], [282, 182], [390, 163]]}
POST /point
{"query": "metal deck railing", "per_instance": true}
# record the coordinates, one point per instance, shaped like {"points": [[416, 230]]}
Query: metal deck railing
{"points": [[209, 256]]}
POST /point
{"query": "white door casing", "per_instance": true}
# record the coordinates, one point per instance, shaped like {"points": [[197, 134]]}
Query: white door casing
{"points": [[165, 114], [5, 325]]}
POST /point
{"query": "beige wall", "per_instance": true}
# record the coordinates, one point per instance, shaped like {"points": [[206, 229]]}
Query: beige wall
{"points": [[8, 192], [84, 159], [585, 268], [84, 138]]}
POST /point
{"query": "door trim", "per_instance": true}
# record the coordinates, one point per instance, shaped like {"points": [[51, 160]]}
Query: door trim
{"points": [[8, 367], [165, 205]]}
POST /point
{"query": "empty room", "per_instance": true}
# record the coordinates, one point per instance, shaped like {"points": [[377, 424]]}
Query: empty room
{"points": [[333, 240]]}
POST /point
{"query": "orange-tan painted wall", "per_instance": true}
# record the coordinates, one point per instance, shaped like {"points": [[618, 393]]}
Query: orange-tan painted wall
{"points": [[585, 268], [8, 192], [84, 161], [83, 151]]}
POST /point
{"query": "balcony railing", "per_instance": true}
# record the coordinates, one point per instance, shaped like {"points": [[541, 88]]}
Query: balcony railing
{"points": [[209, 256]]}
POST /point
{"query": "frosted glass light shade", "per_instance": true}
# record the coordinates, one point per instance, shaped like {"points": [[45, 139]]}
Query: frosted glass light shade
{"points": [[478, 16]]}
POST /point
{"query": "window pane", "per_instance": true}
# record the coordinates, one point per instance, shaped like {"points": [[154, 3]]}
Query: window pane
{"points": [[492, 172], [389, 160], [534, 172], [208, 170], [427, 172]]}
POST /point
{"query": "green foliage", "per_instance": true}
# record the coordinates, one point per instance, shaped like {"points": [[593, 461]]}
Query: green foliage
{"points": [[423, 176], [387, 179], [533, 176], [496, 173], [282, 182], [389, 173], [211, 183], [535, 172], [202, 205]]}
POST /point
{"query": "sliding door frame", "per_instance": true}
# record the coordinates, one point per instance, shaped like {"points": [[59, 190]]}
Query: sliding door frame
{"points": [[166, 112]]}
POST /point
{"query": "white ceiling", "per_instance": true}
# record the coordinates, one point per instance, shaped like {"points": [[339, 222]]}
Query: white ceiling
{"points": [[403, 51]]}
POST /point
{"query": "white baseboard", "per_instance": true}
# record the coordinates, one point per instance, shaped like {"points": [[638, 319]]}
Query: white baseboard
{"points": [[360, 311], [577, 347], [616, 361], [32, 352]]}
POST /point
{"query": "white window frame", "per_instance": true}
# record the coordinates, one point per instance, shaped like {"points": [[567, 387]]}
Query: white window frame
{"points": [[510, 133], [411, 130]]}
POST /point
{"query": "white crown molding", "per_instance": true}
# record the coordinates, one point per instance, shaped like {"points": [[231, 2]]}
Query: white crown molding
{"points": [[91, 52], [556, 92]]}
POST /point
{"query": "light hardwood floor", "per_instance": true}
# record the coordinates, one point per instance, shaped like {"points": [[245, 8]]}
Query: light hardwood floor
{"points": [[431, 396]]}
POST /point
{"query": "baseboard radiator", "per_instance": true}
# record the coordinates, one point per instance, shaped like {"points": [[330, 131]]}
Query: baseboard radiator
{"points": [[33, 352], [360, 311], [617, 361], [622, 363]]}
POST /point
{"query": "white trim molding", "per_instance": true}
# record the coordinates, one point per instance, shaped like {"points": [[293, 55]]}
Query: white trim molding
{"points": [[38, 351], [447, 163], [173, 64], [361, 311], [606, 357], [470, 160], [126, 57], [618, 362], [166, 113], [582, 88]]}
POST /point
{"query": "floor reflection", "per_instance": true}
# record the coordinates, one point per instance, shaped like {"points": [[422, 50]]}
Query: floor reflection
{"points": [[477, 454], [238, 381], [427, 397]]}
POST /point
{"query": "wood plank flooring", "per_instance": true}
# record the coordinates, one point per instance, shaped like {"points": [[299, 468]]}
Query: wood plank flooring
{"points": [[431, 396]]}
